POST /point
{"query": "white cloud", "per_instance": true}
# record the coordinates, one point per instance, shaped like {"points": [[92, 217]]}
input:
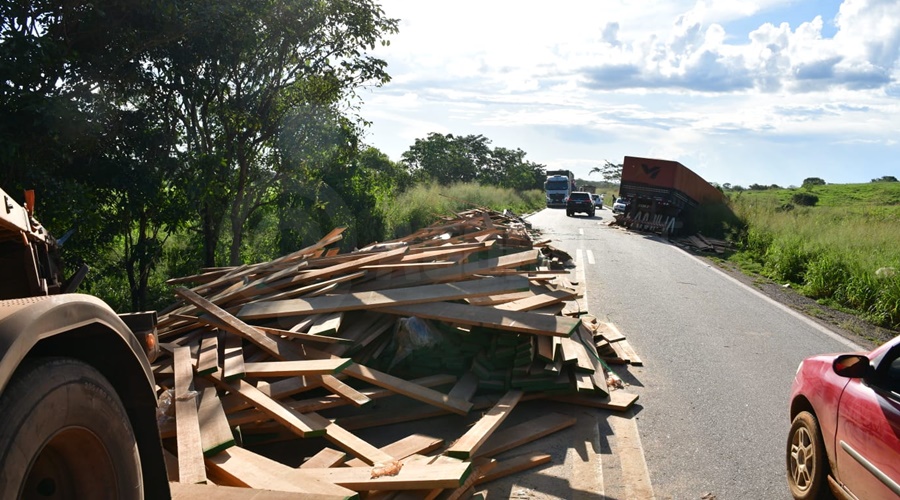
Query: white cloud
{"points": [[585, 79]]}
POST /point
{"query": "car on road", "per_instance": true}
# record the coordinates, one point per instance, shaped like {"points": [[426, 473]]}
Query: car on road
{"points": [[845, 425], [620, 205], [598, 200], [580, 201]]}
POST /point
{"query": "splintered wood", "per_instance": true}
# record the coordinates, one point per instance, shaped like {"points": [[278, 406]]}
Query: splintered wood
{"points": [[461, 315]]}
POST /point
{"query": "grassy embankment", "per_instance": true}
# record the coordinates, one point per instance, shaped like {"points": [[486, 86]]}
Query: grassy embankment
{"points": [[423, 205], [843, 252]]}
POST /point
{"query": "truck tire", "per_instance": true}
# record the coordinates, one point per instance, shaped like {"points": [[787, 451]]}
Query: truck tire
{"points": [[65, 435]]}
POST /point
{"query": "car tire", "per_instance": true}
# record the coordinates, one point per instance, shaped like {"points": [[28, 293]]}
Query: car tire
{"points": [[807, 462], [568, 214], [594, 213], [66, 434]]}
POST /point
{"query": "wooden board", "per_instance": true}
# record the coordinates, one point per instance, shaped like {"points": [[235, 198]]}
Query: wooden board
{"points": [[181, 491], [350, 442], [190, 448], [233, 358], [374, 299], [239, 467], [294, 368], [489, 317], [523, 433], [410, 477], [617, 400], [415, 391], [513, 465], [215, 433], [327, 324], [469, 443], [406, 447], [295, 421], [326, 457], [537, 301], [208, 359]]}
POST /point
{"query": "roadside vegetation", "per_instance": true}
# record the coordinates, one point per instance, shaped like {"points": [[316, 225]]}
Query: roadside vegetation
{"points": [[836, 243]]}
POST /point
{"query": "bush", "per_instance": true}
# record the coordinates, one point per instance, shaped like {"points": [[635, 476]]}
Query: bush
{"points": [[805, 199]]}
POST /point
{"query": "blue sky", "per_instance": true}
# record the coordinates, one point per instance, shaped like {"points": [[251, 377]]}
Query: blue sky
{"points": [[742, 92]]}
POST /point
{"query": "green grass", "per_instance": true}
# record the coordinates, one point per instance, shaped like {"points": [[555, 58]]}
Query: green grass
{"points": [[422, 205], [830, 251]]}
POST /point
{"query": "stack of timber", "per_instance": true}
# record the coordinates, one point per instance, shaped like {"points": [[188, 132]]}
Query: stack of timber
{"points": [[462, 315]]}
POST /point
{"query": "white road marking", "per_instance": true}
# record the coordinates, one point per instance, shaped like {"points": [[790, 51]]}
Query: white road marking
{"points": [[579, 257], [590, 256], [581, 231]]}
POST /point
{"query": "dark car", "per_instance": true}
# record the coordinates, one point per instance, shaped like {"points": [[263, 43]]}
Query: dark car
{"points": [[580, 201], [845, 425]]}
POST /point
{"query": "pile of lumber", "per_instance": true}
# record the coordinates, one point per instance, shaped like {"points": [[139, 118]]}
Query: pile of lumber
{"points": [[702, 243], [461, 317]]}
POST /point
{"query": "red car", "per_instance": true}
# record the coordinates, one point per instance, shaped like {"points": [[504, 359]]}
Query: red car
{"points": [[845, 430]]}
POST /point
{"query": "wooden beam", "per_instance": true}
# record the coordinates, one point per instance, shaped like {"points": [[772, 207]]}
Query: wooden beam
{"points": [[181, 491], [215, 433], [489, 317], [328, 324], [350, 442], [513, 465], [375, 299], [410, 477], [190, 448], [525, 432], [326, 457], [409, 389], [295, 421], [239, 467], [469, 443], [295, 368], [208, 359], [406, 447]]}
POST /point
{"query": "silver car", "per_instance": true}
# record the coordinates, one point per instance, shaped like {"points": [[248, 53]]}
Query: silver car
{"points": [[620, 205]]}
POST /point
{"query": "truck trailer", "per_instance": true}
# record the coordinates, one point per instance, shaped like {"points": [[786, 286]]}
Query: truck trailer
{"points": [[77, 395], [558, 186], [662, 194]]}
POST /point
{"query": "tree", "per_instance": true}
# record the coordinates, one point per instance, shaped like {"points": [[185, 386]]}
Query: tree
{"points": [[236, 76], [609, 171], [813, 181], [886, 178], [447, 159]]}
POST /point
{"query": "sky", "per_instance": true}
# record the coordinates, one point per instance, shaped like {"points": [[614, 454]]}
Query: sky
{"points": [[741, 92]]}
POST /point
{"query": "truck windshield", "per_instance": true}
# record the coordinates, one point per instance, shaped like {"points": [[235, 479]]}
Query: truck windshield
{"points": [[557, 185]]}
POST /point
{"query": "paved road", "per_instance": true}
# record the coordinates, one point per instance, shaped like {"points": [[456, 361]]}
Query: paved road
{"points": [[718, 359]]}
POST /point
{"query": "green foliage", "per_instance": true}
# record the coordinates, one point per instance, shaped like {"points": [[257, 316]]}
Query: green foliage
{"points": [[813, 181], [805, 199], [448, 159], [886, 178], [611, 172], [423, 204], [831, 251]]}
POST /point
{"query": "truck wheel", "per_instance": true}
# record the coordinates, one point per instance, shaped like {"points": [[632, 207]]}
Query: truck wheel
{"points": [[66, 435], [806, 460]]}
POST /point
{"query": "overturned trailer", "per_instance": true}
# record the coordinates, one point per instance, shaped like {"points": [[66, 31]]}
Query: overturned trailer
{"points": [[662, 194]]}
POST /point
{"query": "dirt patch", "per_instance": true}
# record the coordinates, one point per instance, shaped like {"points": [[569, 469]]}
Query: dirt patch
{"points": [[847, 325]]}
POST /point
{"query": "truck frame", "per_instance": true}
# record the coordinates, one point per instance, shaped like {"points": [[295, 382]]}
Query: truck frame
{"points": [[661, 194], [77, 395]]}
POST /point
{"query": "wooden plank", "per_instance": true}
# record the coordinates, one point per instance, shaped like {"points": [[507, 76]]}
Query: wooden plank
{"points": [[326, 457], [343, 390], [460, 272], [190, 448], [489, 317], [215, 433], [469, 443], [181, 491], [616, 401], [415, 391], [610, 332], [294, 368], [295, 421], [545, 348], [375, 299], [525, 432], [410, 445], [232, 358], [304, 337], [350, 442], [632, 356], [208, 359], [513, 465], [239, 467], [327, 324], [598, 374], [465, 387], [538, 301], [410, 477]]}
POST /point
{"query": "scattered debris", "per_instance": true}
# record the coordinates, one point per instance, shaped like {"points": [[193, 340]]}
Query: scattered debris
{"points": [[462, 315]]}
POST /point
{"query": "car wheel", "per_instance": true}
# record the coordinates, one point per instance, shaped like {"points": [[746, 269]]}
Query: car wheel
{"points": [[65, 434], [568, 214], [806, 460], [594, 213]]}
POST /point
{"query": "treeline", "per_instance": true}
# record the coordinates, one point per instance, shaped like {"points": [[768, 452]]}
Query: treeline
{"points": [[186, 135]]}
